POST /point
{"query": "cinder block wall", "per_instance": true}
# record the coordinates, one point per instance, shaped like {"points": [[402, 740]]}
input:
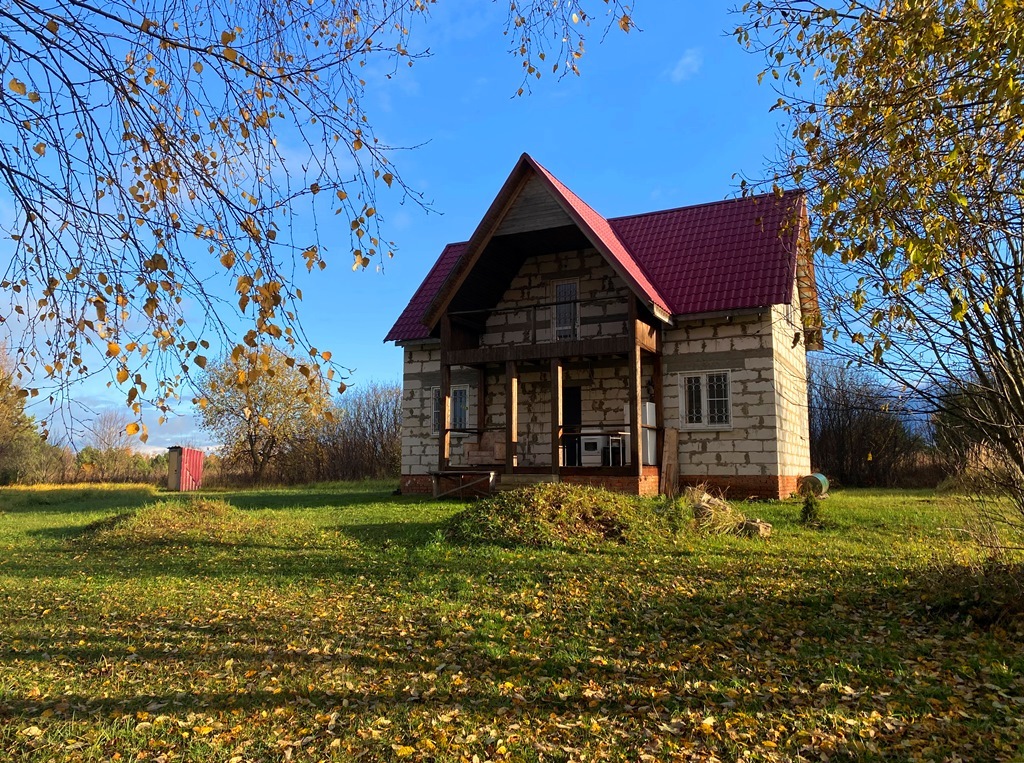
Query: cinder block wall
{"points": [[745, 454], [790, 377], [533, 285]]}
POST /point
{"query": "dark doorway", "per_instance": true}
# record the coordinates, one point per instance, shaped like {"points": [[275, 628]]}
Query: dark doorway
{"points": [[572, 420]]}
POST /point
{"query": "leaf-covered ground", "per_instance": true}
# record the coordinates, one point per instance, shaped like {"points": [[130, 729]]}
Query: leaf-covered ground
{"points": [[345, 627]]}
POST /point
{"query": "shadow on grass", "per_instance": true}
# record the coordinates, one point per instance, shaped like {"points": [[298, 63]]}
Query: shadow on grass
{"points": [[388, 534], [77, 499], [313, 497]]}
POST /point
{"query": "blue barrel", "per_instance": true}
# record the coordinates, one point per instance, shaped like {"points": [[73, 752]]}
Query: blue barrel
{"points": [[814, 484]]}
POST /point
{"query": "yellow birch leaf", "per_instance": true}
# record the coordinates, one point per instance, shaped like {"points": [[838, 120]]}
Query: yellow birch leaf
{"points": [[132, 429]]}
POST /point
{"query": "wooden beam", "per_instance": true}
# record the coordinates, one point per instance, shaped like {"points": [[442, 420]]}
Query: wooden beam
{"points": [[511, 415], [580, 348], [481, 401], [635, 399], [659, 408], [646, 336], [444, 444], [556, 414]]}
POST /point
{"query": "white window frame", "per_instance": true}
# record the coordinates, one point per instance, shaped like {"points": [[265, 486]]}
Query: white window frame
{"points": [[684, 413], [554, 310], [435, 409]]}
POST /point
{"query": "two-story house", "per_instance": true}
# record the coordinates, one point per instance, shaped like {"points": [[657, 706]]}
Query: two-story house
{"points": [[626, 352]]}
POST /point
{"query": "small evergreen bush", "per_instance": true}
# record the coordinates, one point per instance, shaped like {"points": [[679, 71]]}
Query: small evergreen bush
{"points": [[811, 513]]}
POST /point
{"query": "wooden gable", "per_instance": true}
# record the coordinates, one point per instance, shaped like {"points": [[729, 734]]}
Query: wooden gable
{"points": [[532, 214]]}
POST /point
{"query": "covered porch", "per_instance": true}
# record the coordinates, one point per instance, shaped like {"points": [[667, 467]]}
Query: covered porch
{"points": [[585, 411]]}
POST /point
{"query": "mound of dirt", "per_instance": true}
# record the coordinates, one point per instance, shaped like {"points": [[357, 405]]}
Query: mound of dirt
{"points": [[559, 514], [177, 521]]}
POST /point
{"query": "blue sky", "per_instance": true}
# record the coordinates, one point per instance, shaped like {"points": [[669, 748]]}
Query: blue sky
{"points": [[662, 117]]}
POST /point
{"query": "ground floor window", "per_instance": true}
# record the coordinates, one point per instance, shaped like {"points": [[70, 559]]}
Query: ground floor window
{"points": [[706, 399], [460, 408]]}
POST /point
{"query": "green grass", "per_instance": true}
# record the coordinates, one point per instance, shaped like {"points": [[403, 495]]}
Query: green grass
{"points": [[335, 622]]}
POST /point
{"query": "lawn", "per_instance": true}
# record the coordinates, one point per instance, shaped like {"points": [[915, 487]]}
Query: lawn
{"points": [[335, 622]]}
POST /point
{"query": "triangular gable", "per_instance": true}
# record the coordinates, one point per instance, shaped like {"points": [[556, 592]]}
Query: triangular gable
{"points": [[533, 209], [591, 224]]}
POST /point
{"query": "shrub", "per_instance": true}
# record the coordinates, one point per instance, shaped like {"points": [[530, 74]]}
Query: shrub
{"points": [[559, 514], [811, 514]]}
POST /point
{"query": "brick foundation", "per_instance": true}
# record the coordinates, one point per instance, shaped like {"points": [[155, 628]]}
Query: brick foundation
{"points": [[421, 484], [646, 485], [416, 484], [738, 488]]}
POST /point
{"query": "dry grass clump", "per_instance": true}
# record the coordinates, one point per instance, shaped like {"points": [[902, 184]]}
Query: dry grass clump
{"points": [[180, 521], [716, 516], [711, 513]]}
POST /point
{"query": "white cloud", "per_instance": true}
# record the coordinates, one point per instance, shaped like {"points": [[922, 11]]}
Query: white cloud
{"points": [[687, 66]]}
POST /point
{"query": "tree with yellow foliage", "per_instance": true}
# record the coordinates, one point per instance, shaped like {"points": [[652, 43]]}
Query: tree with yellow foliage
{"points": [[140, 145], [257, 408], [907, 130]]}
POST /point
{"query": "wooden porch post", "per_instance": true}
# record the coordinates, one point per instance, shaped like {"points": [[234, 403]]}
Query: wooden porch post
{"points": [[635, 413], [511, 415], [481, 401], [635, 400], [659, 408], [444, 444], [556, 414]]}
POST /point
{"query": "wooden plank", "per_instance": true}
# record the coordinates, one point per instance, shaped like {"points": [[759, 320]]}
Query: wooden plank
{"points": [[646, 336], [635, 400], [444, 449], [511, 415], [659, 407], [481, 401], [670, 463], [580, 348], [635, 413], [556, 414], [534, 209]]}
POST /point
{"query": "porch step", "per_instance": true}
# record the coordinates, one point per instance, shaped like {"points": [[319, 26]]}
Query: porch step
{"points": [[513, 481]]}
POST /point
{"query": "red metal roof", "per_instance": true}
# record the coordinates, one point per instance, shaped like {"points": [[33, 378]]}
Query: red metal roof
{"points": [[722, 256], [716, 257], [409, 325]]}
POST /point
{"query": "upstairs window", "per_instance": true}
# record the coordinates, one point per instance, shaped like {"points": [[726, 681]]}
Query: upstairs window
{"points": [[706, 400], [459, 413], [567, 310]]}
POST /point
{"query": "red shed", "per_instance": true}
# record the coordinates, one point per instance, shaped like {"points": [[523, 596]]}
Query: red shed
{"points": [[184, 468]]}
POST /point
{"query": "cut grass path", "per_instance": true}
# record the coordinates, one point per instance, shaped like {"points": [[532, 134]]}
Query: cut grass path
{"points": [[335, 622]]}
